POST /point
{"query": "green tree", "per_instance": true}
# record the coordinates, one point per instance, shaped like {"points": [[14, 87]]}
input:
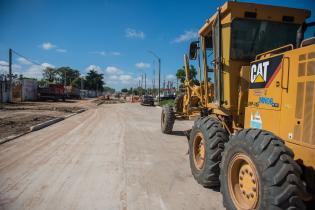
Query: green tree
{"points": [[181, 75], [66, 75], [124, 90], [108, 89], [94, 80], [77, 82], [42, 83], [130, 91], [49, 74]]}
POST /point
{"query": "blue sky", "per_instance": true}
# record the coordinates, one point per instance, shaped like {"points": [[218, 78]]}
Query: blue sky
{"points": [[112, 36]]}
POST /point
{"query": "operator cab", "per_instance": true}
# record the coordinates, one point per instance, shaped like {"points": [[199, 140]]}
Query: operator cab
{"points": [[234, 36]]}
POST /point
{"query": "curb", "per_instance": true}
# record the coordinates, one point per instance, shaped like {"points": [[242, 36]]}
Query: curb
{"points": [[80, 111], [45, 124], [99, 103], [9, 138], [77, 112]]}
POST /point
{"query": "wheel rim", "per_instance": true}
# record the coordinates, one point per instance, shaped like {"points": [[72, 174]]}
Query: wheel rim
{"points": [[243, 182], [199, 151]]}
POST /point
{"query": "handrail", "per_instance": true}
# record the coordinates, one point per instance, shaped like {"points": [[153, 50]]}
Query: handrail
{"points": [[274, 51], [306, 40], [282, 73]]}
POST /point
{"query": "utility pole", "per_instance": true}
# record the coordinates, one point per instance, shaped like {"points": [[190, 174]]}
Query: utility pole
{"points": [[145, 82], [10, 75], [159, 79], [153, 77], [81, 92], [159, 62], [81, 83], [65, 82]]}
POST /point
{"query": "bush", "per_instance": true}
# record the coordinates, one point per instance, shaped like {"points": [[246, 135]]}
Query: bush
{"points": [[169, 102]]}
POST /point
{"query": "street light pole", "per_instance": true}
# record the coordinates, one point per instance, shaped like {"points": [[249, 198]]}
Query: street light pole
{"points": [[159, 62], [10, 75]]}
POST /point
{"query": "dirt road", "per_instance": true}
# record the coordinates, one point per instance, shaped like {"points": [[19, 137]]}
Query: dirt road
{"points": [[113, 157]]}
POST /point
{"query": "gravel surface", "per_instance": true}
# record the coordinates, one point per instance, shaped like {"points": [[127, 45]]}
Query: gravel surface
{"points": [[110, 157]]}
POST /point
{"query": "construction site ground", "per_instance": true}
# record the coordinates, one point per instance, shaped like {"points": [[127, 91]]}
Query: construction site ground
{"points": [[17, 118], [112, 157]]}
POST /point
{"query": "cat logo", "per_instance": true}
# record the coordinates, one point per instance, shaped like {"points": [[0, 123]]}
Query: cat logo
{"points": [[263, 72], [258, 72]]}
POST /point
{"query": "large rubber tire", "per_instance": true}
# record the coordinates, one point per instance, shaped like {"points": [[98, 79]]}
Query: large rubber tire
{"points": [[214, 136], [179, 103], [278, 175], [167, 119]]}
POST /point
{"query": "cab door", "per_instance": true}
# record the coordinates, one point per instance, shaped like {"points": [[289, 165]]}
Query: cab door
{"points": [[265, 94], [265, 83]]}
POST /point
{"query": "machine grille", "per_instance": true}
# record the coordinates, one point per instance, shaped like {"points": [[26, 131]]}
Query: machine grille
{"points": [[299, 100], [297, 132], [308, 113], [304, 130], [301, 71], [311, 55], [310, 68], [302, 57]]}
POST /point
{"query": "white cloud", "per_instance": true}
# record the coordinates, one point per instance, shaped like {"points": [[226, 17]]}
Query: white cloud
{"points": [[115, 53], [35, 71], [47, 46], [46, 65], [170, 77], [93, 67], [103, 53], [113, 77], [113, 70], [125, 78], [188, 35], [4, 68], [4, 63], [133, 33], [23, 61], [142, 65], [27, 70], [61, 50]]}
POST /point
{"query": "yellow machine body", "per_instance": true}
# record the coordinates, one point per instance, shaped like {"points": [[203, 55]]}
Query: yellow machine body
{"points": [[273, 91], [285, 103], [287, 106], [230, 12]]}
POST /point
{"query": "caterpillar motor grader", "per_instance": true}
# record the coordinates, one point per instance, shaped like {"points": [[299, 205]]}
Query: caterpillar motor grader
{"points": [[255, 134]]}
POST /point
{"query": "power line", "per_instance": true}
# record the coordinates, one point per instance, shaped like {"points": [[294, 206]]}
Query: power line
{"points": [[29, 60]]}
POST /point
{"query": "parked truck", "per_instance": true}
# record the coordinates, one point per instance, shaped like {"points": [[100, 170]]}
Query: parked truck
{"points": [[52, 92], [72, 92]]}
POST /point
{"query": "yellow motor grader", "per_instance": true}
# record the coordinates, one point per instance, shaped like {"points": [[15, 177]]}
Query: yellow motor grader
{"points": [[255, 134]]}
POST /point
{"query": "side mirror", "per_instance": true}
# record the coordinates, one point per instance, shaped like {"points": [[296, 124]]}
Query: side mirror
{"points": [[193, 50]]}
